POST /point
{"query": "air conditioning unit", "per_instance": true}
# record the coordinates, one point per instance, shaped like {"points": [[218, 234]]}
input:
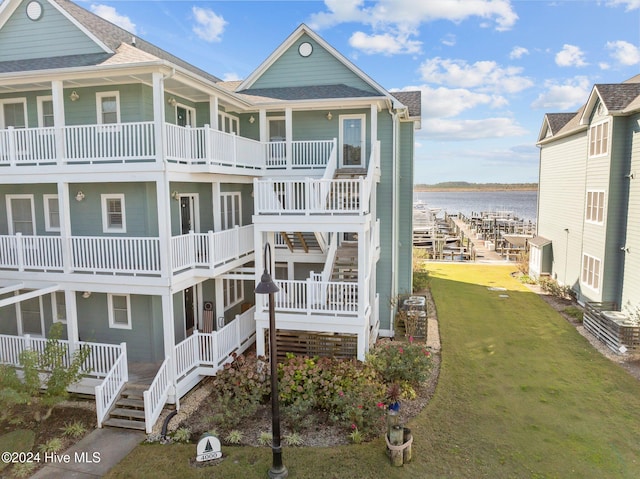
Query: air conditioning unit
{"points": [[208, 306]]}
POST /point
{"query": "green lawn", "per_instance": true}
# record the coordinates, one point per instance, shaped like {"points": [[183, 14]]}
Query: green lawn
{"points": [[521, 395]]}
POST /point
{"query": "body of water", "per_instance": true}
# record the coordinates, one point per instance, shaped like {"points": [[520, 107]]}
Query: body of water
{"points": [[522, 203]]}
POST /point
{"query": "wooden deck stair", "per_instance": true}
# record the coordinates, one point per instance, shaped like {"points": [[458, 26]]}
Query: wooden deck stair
{"points": [[345, 269], [300, 241], [128, 410], [348, 199]]}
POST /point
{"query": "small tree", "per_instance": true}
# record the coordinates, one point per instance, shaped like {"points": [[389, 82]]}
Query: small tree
{"points": [[45, 379]]}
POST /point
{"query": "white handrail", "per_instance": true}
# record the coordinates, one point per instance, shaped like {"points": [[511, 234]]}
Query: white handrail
{"points": [[108, 390], [320, 297], [156, 396]]}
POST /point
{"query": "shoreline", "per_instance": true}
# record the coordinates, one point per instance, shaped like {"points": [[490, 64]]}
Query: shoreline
{"points": [[466, 190]]}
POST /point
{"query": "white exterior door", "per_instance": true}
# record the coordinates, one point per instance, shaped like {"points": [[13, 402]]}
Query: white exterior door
{"points": [[352, 141]]}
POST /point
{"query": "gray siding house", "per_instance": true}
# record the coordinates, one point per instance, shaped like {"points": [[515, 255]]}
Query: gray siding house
{"points": [[137, 193], [589, 197]]}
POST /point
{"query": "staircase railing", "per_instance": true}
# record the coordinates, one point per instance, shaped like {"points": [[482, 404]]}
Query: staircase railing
{"points": [[156, 396], [108, 390]]}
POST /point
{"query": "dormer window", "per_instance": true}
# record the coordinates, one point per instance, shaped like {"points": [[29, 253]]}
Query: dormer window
{"points": [[599, 139]]}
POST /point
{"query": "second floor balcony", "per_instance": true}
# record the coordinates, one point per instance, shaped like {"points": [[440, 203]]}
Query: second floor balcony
{"points": [[124, 255], [137, 142]]}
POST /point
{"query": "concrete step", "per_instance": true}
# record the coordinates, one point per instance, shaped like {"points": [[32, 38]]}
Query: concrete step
{"points": [[125, 424]]}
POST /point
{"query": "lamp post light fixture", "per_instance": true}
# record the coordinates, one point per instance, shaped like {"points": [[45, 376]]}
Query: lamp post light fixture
{"points": [[267, 286]]}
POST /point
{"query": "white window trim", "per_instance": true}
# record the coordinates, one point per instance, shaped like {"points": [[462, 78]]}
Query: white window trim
{"points": [[112, 323], [585, 283], [593, 127], [19, 316], [191, 114], [54, 308], [604, 197], [41, 100], [99, 97], [9, 198], [363, 139], [105, 213], [228, 304], [47, 217], [8, 101], [233, 120], [224, 200]]}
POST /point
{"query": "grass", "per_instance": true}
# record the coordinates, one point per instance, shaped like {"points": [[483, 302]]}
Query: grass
{"points": [[520, 394]]}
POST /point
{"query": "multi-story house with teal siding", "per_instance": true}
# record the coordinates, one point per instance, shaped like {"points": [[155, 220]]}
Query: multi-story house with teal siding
{"points": [[589, 197], [137, 193]]}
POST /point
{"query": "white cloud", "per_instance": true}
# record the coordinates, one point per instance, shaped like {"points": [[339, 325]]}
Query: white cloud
{"points": [[563, 97], [483, 75], [449, 102], [629, 4], [451, 130], [449, 40], [570, 56], [624, 52], [110, 14], [518, 52], [231, 76], [393, 22], [386, 43], [209, 26]]}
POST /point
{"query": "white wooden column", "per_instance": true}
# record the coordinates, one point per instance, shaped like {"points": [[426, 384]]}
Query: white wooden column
{"points": [[374, 124], [169, 333], [214, 106], [64, 208], [57, 96], [72, 318], [264, 126], [288, 124], [219, 296], [158, 115], [216, 203]]}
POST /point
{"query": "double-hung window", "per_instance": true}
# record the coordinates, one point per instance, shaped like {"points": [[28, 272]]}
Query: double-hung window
{"points": [[231, 210], [113, 214], [233, 292], [45, 112], [51, 213], [591, 271], [119, 311], [595, 206], [59, 307], [599, 139], [108, 107]]}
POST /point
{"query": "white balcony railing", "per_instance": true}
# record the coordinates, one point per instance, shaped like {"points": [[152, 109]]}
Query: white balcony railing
{"points": [[123, 255], [136, 142], [319, 297], [211, 250]]}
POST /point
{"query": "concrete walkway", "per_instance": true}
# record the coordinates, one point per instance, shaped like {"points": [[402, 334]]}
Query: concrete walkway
{"points": [[93, 456]]}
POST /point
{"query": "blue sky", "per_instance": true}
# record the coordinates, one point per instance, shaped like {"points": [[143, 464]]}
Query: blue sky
{"points": [[488, 69]]}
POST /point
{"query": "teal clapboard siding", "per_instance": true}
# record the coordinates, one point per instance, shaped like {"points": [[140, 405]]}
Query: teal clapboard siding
{"points": [[320, 68], [385, 201], [35, 190], [562, 182], [140, 208], [405, 209], [616, 211], [631, 274], [53, 35], [143, 342]]}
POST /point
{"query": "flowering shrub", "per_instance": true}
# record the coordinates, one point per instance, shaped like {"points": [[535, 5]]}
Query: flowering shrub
{"points": [[408, 363]]}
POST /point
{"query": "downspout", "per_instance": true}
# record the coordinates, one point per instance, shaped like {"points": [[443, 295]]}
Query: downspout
{"points": [[394, 220]]}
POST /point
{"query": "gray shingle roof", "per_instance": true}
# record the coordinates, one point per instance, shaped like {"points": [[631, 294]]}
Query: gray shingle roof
{"points": [[112, 36], [617, 96], [411, 99], [557, 121], [68, 61], [312, 92]]}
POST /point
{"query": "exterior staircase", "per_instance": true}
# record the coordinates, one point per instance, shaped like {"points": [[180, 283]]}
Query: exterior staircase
{"points": [[300, 241], [128, 410], [345, 198], [345, 269]]}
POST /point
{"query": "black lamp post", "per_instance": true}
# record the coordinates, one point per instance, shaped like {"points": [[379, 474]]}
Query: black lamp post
{"points": [[267, 286]]}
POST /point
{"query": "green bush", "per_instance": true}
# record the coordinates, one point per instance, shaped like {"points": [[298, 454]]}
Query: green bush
{"points": [[401, 362]]}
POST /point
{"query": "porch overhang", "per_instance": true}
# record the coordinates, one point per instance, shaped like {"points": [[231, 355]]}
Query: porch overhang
{"points": [[24, 296]]}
